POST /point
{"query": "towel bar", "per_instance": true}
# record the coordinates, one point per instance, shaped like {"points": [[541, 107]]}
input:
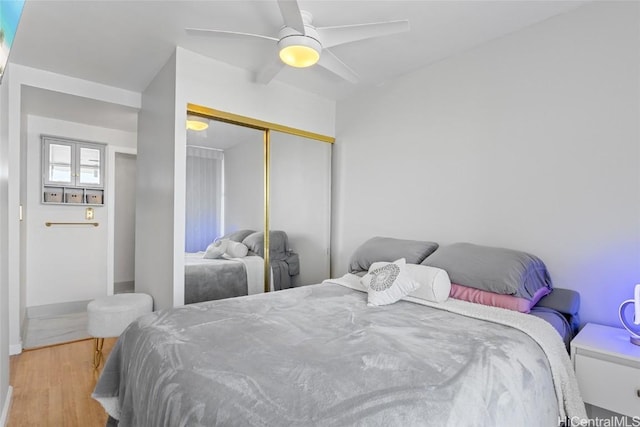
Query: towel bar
{"points": [[49, 224]]}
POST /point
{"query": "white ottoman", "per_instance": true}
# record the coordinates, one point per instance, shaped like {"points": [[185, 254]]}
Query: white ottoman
{"points": [[109, 316]]}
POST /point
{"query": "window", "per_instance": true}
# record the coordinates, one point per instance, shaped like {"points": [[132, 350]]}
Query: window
{"points": [[72, 171]]}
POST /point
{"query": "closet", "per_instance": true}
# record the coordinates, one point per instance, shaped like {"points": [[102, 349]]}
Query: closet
{"points": [[271, 178]]}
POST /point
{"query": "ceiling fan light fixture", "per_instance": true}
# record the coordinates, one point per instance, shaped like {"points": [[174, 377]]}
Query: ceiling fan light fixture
{"points": [[197, 123], [299, 51]]}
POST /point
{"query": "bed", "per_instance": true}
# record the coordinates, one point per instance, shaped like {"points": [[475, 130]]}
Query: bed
{"points": [[211, 279], [322, 355], [212, 275]]}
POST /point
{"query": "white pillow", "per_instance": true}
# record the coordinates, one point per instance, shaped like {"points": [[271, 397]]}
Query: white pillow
{"points": [[216, 249], [236, 249], [387, 282], [434, 283]]}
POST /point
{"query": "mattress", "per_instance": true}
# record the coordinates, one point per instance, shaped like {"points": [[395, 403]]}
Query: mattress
{"points": [[318, 355], [211, 279]]}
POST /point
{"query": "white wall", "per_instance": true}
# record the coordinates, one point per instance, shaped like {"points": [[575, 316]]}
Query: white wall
{"points": [[155, 191], [14, 129], [529, 142], [64, 264], [203, 81], [4, 258]]}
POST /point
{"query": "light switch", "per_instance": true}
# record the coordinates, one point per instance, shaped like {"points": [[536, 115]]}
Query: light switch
{"points": [[88, 214]]}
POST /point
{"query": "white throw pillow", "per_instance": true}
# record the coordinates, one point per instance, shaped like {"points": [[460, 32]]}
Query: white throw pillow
{"points": [[434, 283], [216, 249], [387, 282], [236, 250]]}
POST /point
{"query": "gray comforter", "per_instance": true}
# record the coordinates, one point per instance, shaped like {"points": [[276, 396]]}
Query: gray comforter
{"points": [[212, 279], [318, 355]]}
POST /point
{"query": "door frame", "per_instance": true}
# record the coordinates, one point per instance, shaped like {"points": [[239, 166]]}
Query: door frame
{"points": [[111, 212]]}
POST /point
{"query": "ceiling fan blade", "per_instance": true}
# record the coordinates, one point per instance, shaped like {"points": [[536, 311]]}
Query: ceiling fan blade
{"points": [[269, 71], [334, 36], [331, 62], [291, 14], [206, 32]]}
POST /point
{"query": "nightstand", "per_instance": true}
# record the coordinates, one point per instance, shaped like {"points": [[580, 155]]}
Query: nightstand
{"points": [[607, 366]]}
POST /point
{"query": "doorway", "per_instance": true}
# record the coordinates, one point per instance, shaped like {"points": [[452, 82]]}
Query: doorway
{"points": [[124, 223]]}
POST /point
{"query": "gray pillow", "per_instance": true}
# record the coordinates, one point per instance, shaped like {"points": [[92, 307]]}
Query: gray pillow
{"points": [[238, 236], [498, 270], [389, 249], [278, 244]]}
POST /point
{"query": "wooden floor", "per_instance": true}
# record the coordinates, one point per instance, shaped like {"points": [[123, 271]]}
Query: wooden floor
{"points": [[52, 386]]}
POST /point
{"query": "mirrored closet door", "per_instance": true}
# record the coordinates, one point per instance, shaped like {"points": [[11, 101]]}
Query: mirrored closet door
{"points": [[224, 205], [300, 201], [245, 176]]}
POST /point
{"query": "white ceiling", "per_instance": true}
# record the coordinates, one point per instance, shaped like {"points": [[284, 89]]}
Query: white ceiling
{"points": [[62, 106], [125, 43]]}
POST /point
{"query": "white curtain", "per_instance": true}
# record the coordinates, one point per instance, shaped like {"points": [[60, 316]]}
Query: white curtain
{"points": [[203, 197]]}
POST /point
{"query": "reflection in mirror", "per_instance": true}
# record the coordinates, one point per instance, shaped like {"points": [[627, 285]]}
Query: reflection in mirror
{"points": [[89, 166], [300, 202], [224, 206], [60, 163]]}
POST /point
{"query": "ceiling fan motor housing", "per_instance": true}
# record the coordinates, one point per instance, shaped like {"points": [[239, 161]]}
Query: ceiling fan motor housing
{"points": [[290, 38]]}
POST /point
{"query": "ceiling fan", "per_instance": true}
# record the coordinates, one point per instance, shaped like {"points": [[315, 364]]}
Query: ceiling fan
{"points": [[301, 44]]}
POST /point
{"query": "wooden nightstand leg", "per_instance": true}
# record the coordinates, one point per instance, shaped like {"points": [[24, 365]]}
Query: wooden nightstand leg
{"points": [[97, 351]]}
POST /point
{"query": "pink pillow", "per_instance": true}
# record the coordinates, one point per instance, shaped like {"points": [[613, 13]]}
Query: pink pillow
{"points": [[492, 299]]}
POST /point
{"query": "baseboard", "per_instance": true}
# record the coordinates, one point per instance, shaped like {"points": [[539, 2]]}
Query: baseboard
{"points": [[57, 309], [5, 408], [15, 349]]}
